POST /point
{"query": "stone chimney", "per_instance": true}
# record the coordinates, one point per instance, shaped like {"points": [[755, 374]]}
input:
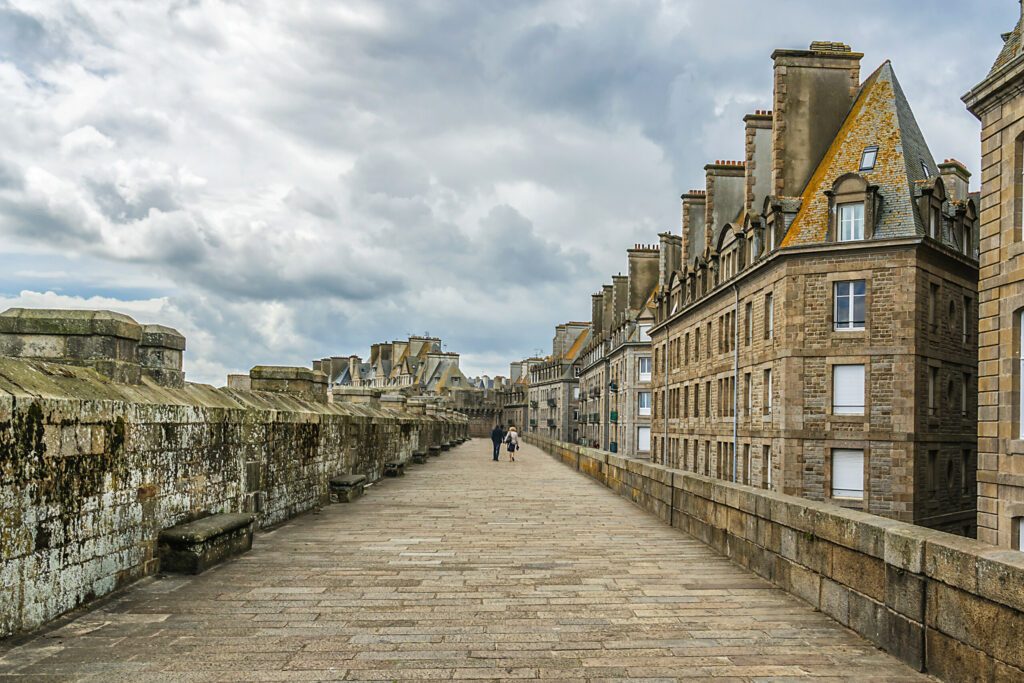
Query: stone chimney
{"points": [[644, 260], [693, 224], [670, 250], [597, 313], [620, 298], [814, 90], [353, 370], [724, 199], [758, 144], [607, 309], [956, 178]]}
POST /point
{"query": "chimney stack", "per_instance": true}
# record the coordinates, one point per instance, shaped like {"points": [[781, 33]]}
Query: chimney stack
{"points": [[643, 273], [956, 178], [814, 90]]}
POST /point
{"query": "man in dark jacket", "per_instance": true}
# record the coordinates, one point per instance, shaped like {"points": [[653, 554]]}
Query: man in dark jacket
{"points": [[497, 437]]}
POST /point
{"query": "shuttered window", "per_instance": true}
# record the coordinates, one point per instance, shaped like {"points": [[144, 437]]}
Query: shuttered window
{"points": [[847, 473], [848, 389], [643, 438]]}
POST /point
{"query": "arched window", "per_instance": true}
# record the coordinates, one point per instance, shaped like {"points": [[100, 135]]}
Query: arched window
{"points": [[853, 206]]}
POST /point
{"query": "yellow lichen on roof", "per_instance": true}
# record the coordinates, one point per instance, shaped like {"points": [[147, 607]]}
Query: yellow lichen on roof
{"points": [[872, 121], [574, 350]]}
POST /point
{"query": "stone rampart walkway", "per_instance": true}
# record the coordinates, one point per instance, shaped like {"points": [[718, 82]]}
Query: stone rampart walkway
{"points": [[464, 568]]}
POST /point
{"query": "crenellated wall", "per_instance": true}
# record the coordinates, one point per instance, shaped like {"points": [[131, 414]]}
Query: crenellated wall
{"points": [[945, 604], [92, 469]]}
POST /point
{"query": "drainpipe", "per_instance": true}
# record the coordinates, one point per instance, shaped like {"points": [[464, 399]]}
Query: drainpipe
{"points": [[664, 399], [735, 382]]}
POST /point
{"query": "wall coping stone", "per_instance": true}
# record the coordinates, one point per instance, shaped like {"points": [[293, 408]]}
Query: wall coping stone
{"points": [[162, 336], [61, 322]]}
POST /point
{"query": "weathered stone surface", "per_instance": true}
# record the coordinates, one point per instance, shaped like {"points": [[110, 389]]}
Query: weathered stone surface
{"points": [[470, 569], [194, 547], [91, 471], [885, 579]]}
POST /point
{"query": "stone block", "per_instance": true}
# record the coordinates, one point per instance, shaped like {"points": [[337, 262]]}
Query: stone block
{"points": [[951, 660], [869, 618], [977, 622], [953, 560], [906, 640], [835, 601], [394, 468], [346, 488], [1001, 577], [905, 593], [862, 573], [194, 547]]}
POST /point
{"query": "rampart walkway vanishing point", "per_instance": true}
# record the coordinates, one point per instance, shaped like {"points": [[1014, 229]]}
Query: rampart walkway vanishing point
{"points": [[463, 569]]}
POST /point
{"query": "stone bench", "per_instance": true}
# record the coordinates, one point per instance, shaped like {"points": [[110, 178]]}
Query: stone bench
{"points": [[394, 468], [419, 457], [194, 547], [435, 451], [346, 488]]}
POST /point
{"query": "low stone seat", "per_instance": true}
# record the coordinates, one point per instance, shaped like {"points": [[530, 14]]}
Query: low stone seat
{"points": [[346, 487], [194, 547], [394, 468], [419, 457], [435, 451]]}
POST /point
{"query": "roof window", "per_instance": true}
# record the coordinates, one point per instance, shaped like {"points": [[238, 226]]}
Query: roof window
{"points": [[927, 171], [867, 158]]}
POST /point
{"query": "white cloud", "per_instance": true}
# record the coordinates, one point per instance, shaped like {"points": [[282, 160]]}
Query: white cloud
{"points": [[301, 179]]}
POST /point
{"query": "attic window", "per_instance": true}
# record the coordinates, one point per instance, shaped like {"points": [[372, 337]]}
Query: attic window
{"points": [[867, 158], [927, 171]]}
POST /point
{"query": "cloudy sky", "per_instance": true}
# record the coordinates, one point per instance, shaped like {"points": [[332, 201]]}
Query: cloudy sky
{"points": [[283, 181]]}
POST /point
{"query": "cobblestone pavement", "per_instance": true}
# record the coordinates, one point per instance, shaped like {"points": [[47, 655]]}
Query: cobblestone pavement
{"points": [[464, 568]]}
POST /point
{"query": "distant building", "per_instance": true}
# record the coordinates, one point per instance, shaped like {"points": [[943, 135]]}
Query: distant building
{"points": [[417, 365], [819, 334], [615, 374], [554, 391]]}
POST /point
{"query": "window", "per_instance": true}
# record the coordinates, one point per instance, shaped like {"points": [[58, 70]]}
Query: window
{"points": [[931, 474], [847, 389], [1018, 522], [868, 157], [766, 466], [767, 403], [707, 399], [686, 348], [643, 439], [645, 332], [933, 305], [933, 224], [849, 305], [686, 401], [769, 317], [576, 393], [696, 344], [925, 169], [749, 330], [746, 463], [747, 393], [708, 345], [696, 400], [644, 365], [964, 386], [851, 222], [1020, 375], [848, 473], [933, 387], [965, 320], [644, 403]]}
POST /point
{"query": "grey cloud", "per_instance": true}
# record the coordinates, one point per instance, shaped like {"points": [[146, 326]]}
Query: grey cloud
{"points": [[511, 249]]}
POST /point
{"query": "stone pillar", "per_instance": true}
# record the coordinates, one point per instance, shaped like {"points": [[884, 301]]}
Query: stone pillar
{"points": [[367, 396], [295, 381], [160, 355], [105, 341], [394, 402]]}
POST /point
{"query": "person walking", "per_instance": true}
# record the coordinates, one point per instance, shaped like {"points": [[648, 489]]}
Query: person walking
{"points": [[497, 436], [512, 440]]}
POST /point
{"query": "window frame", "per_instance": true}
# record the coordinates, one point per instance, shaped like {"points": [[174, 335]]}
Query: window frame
{"points": [[849, 409], [843, 208], [640, 407], [849, 325], [841, 493], [873, 151]]}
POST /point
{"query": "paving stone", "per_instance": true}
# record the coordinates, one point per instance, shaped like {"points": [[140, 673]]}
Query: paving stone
{"points": [[468, 569]]}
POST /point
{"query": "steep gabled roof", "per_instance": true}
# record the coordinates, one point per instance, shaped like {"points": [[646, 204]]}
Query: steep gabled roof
{"points": [[1012, 46], [880, 116], [577, 345]]}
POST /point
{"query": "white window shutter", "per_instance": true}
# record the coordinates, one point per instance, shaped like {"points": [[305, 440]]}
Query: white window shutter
{"points": [[848, 389], [643, 438], [847, 473]]}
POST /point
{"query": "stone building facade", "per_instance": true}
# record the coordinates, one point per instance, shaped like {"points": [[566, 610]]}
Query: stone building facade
{"points": [[554, 391], [615, 376], [998, 101], [818, 335]]}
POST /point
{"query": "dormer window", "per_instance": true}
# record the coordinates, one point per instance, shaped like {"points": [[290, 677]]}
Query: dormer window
{"points": [[851, 222], [927, 171], [868, 157]]}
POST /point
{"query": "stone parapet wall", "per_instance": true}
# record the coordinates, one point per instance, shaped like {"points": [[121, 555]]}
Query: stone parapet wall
{"points": [[948, 605], [91, 470]]}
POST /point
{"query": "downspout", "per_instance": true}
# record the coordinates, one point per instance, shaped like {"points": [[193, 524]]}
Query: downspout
{"points": [[606, 391], [735, 382], [664, 400]]}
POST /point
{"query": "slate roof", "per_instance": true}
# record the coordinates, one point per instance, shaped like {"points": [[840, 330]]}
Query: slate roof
{"points": [[577, 345], [1012, 46], [880, 116]]}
